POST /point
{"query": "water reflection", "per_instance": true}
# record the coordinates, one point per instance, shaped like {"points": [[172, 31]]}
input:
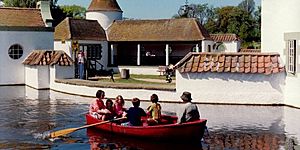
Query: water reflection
{"points": [[25, 112], [104, 140]]}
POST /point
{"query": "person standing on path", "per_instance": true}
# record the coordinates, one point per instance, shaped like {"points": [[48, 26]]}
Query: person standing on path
{"points": [[81, 64]]}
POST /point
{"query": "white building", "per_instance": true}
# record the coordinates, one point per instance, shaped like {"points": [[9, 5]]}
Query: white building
{"points": [[281, 34], [130, 44], [226, 42], [42, 67], [21, 31], [89, 37], [232, 78], [105, 12], [1, 4]]}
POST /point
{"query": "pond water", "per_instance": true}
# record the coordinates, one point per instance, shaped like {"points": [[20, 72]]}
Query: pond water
{"points": [[26, 113]]}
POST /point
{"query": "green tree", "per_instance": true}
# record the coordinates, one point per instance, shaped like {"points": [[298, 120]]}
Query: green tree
{"points": [[247, 5], [203, 13], [232, 19], [200, 11], [74, 11]]}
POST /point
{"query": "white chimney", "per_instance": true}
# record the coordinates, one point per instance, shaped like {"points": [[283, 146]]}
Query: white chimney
{"points": [[1, 4], [44, 6]]}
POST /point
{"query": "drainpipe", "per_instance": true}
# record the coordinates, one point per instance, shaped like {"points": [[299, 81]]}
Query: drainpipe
{"points": [[44, 6]]}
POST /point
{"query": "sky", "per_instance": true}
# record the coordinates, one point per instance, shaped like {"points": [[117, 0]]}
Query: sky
{"points": [[155, 9]]}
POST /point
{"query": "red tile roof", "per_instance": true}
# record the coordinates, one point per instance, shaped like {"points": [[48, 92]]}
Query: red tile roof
{"points": [[250, 50], [104, 5], [20, 17], [79, 29], [186, 29], [48, 57], [263, 63], [224, 37]]}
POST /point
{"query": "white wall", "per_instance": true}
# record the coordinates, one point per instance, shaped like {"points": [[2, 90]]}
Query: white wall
{"points": [[278, 17], [60, 72], [66, 47], [232, 87], [205, 44], [112, 93], [37, 77], [12, 71], [233, 46], [292, 96], [291, 119], [105, 18]]}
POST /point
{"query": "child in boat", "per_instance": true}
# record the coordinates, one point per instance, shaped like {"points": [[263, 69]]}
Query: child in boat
{"points": [[135, 113], [154, 110], [120, 111], [108, 113], [97, 105]]}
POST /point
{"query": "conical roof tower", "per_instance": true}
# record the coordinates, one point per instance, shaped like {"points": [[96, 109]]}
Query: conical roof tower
{"points": [[105, 12], [104, 5]]}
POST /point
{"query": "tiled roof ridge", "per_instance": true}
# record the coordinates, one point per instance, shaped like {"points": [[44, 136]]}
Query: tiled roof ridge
{"points": [[164, 19], [225, 37], [48, 57], [262, 63], [20, 8], [222, 34]]}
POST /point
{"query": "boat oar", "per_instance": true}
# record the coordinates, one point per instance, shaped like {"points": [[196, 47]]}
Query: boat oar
{"points": [[70, 130]]}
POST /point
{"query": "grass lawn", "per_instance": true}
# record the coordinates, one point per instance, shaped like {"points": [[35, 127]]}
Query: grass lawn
{"points": [[149, 82]]}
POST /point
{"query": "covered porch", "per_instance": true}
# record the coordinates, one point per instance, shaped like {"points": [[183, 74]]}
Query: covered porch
{"points": [[150, 53], [155, 42]]}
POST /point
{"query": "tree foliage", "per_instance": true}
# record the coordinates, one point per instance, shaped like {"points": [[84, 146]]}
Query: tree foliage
{"points": [[74, 11], [243, 20], [200, 11]]}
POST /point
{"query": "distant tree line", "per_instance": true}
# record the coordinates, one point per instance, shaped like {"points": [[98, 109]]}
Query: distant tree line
{"points": [[243, 20], [59, 13]]}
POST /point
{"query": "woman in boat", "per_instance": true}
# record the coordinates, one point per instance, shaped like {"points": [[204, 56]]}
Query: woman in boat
{"points": [[97, 106], [135, 113], [154, 110], [190, 112], [120, 111]]}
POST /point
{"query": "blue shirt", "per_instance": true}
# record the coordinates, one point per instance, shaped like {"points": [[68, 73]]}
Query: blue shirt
{"points": [[134, 115]]}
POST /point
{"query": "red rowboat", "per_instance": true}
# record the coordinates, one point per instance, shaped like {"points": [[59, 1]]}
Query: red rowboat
{"points": [[169, 130]]}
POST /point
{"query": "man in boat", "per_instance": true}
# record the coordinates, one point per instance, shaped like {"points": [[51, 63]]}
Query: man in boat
{"points": [[190, 112], [135, 113]]}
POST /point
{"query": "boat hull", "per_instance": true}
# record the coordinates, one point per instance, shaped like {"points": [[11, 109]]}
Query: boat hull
{"points": [[186, 131]]}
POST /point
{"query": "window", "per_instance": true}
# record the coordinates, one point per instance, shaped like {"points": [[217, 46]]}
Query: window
{"points": [[15, 51], [292, 56]]}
